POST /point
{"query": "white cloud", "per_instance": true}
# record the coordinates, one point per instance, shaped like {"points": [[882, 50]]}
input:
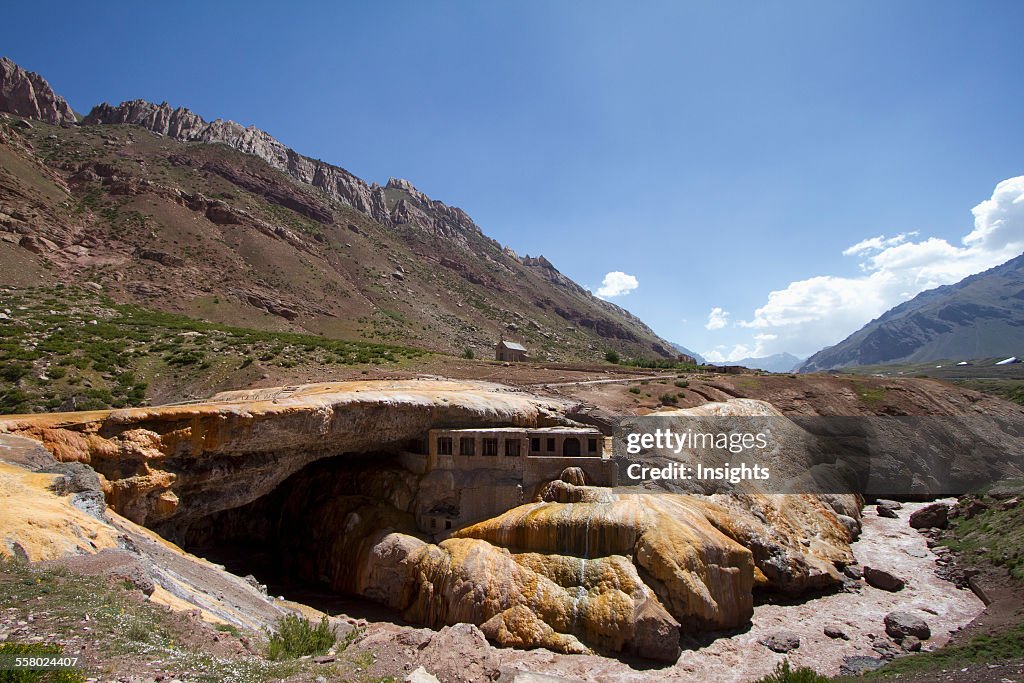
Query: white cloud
{"points": [[738, 351], [617, 283], [717, 319], [714, 356], [878, 243], [813, 313]]}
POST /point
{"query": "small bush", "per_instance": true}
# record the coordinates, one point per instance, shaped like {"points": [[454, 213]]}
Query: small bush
{"points": [[634, 390], [669, 400], [468, 354], [612, 356], [183, 358], [784, 674], [228, 628], [682, 384], [295, 637]]}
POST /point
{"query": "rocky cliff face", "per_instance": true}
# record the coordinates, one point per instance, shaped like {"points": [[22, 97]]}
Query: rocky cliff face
{"points": [[164, 463], [27, 94]]}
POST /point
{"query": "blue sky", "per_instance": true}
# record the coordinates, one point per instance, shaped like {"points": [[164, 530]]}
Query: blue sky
{"points": [[715, 152]]}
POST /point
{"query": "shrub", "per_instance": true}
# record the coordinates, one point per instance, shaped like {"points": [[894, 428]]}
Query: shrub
{"points": [[183, 358], [612, 356], [682, 384], [468, 354], [784, 674], [634, 390], [295, 637], [669, 400]]}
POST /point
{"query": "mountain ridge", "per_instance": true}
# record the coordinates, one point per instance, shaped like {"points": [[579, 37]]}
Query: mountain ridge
{"points": [[26, 93], [776, 362], [980, 316], [303, 240]]}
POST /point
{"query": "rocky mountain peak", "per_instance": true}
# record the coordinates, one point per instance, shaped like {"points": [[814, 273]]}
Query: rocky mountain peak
{"points": [[538, 262], [407, 187], [27, 94], [417, 209], [401, 184]]}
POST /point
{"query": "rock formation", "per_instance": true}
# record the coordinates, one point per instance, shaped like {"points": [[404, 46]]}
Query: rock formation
{"points": [[412, 207], [193, 460], [27, 94], [578, 569]]}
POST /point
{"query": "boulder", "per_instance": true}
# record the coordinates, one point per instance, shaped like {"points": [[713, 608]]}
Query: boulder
{"points": [[834, 633], [899, 625], [855, 666], [420, 675], [911, 644], [574, 476], [883, 580], [853, 571], [851, 525], [968, 508], [161, 257], [781, 642], [888, 509], [934, 516]]}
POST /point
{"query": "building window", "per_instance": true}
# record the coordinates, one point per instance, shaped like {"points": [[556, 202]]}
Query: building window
{"points": [[551, 445], [512, 447], [591, 445], [447, 524], [467, 445], [444, 445], [535, 445], [490, 446], [433, 523]]}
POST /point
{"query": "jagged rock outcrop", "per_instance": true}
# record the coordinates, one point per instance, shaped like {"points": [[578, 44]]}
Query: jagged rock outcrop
{"points": [[27, 94], [412, 208]]}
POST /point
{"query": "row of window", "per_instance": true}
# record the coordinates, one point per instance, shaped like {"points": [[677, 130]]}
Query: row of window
{"points": [[489, 446], [467, 446]]}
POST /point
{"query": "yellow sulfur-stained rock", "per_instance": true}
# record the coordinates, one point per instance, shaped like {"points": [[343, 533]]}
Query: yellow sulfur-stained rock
{"points": [[36, 524]]}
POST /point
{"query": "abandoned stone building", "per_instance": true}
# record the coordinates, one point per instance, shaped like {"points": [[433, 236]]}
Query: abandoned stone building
{"points": [[474, 474], [510, 351]]}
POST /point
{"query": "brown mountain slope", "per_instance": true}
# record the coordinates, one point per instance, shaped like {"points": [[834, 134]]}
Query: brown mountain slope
{"points": [[227, 224]]}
